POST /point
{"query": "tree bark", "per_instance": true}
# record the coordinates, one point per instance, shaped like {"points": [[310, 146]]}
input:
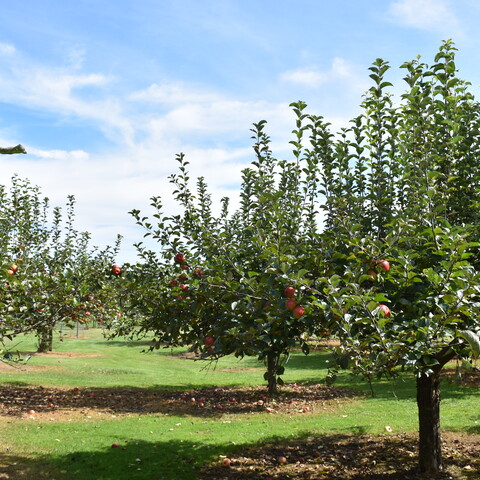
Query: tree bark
{"points": [[272, 362], [45, 340], [428, 402]]}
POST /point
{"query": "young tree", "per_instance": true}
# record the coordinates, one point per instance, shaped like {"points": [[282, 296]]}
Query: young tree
{"points": [[402, 221], [50, 274], [226, 291]]}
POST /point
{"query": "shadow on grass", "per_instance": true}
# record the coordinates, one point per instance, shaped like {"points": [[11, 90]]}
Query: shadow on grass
{"points": [[330, 457], [213, 402]]}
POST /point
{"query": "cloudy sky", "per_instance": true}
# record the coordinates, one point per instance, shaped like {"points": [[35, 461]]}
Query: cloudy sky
{"points": [[104, 93]]}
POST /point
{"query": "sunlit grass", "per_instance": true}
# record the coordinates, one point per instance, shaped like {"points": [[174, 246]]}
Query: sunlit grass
{"points": [[162, 446]]}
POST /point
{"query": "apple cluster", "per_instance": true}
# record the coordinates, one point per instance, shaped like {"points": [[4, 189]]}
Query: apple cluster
{"points": [[291, 302]]}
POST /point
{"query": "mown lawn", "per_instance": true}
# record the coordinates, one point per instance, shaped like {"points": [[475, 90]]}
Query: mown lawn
{"points": [[76, 443]]}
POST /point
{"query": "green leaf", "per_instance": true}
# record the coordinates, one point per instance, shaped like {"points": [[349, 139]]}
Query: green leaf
{"points": [[473, 340]]}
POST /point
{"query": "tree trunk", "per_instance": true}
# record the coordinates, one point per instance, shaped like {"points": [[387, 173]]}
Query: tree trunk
{"points": [[428, 402], [45, 340], [272, 362]]}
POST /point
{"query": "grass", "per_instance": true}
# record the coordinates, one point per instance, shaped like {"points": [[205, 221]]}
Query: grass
{"points": [[174, 446]]}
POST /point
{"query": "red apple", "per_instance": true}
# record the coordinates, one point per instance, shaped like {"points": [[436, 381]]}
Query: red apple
{"points": [[183, 287], [184, 266], [182, 277], [198, 273], [209, 341], [10, 271], [173, 283], [290, 304], [289, 292], [14, 268], [226, 462], [115, 445], [282, 460], [384, 265], [298, 311], [179, 257], [116, 270], [385, 310]]}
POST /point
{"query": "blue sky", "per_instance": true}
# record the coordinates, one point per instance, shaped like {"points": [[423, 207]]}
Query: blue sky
{"points": [[104, 93]]}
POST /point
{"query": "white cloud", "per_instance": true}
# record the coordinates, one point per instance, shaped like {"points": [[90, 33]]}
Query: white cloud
{"points": [[56, 89], [431, 15], [312, 77], [6, 49], [150, 126]]}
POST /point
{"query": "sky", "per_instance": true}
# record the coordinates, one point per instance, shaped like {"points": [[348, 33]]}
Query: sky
{"points": [[104, 94]]}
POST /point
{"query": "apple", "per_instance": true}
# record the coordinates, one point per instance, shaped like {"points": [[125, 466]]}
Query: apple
{"points": [[290, 304], [115, 445], [182, 277], [385, 310], [226, 462], [373, 274], [10, 271], [31, 412], [282, 460], [14, 268], [173, 283], [87, 314], [298, 311], [233, 400], [384, 265], [184, 266], [209, 341], [183, 287], [179, 257], [289, 292], [116, 270], [198, 273]]}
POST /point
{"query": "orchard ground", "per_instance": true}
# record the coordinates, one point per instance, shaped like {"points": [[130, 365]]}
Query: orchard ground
{"points": [[170, 417]]}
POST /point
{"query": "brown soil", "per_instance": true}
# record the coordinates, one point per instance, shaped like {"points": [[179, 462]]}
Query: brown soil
{"points": [[348, 457]]}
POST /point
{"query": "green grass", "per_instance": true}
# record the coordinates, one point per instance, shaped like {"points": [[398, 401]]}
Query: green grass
{"points": [[174, 446]]}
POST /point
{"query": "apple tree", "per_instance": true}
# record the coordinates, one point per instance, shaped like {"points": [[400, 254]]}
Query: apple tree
{"points": [[50, 274], [402, 284], [227, 283]]}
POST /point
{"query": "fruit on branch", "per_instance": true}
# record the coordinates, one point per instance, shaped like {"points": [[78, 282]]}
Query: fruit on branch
{"points": [[298, 311], [384, 265], [209, 341], [289, 292], [179, 257], [385, 310], [290, 304]]}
